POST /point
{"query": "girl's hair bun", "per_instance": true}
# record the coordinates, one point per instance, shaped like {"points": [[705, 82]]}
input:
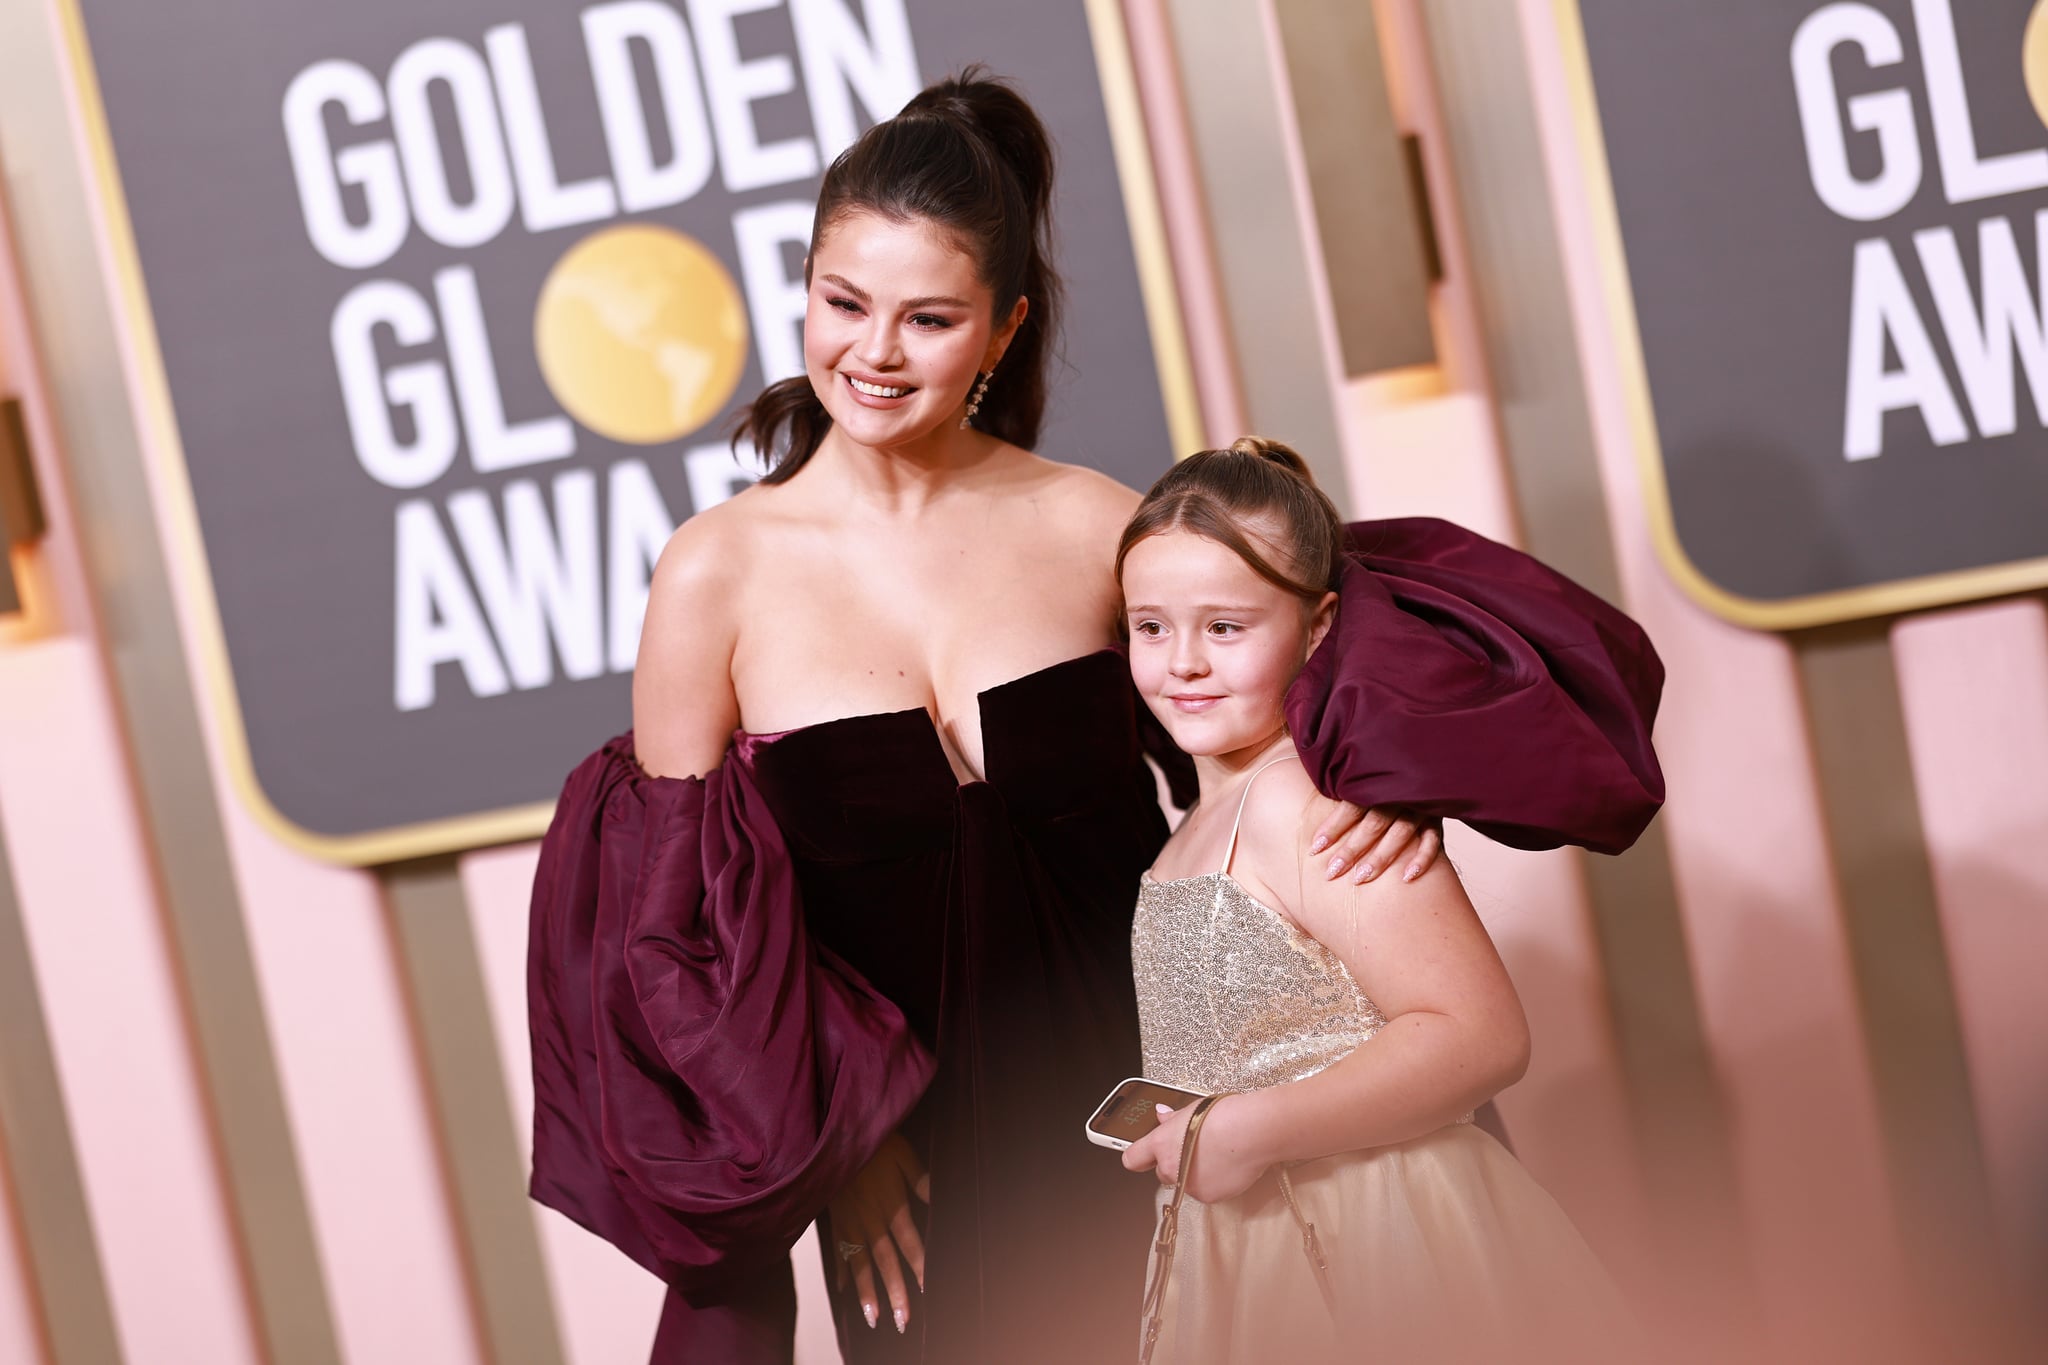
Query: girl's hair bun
{"points": [[1279, 452]]}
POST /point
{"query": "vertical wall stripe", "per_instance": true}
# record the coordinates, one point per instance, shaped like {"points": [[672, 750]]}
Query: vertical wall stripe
{"points": [[63, 1262], [606, 1305], [137, 616], [1271, 299], [1971, 683], [1186, 223], [1909, 1007], [1496, 157], [430, 923]]}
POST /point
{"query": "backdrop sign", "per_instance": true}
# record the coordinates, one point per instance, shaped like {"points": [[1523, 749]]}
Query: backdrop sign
{"points": [[453, 306], [1833, 223]]}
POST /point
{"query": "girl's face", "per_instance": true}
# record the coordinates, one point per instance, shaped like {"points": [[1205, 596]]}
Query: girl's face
{"points": [[896, 328], [1213, 645]]}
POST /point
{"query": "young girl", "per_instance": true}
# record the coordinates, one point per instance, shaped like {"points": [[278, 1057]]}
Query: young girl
{"points": [[1339, 1203]]}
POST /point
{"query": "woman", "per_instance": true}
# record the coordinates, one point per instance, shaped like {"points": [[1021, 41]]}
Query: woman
{"points": [[845, 926]]}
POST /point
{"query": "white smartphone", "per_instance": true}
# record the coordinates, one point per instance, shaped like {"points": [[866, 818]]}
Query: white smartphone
{"points": [[1128, 1113]]}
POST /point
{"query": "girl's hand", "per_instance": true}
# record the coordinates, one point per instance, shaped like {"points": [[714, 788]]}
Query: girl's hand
{"points": [[1223, 1168], [1366, 843], [873, 1213]]}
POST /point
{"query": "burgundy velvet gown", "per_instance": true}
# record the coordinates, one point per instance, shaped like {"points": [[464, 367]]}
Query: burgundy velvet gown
{"points": [[739, 985]]}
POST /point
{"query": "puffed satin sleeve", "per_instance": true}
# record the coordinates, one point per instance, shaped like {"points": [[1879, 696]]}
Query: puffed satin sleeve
{"points": [[1466, 680], [706, 1078]]}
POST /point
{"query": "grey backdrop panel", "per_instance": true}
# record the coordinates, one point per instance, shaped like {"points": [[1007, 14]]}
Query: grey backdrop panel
{"points": [[1742, 283], [299, 538]]}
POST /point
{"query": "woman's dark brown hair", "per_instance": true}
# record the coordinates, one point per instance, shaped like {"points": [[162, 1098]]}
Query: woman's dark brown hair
{"points": [[1257, 491], [969, 155]]}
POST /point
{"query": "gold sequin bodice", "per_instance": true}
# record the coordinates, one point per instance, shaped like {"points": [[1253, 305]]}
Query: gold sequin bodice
{"points": [[1232, 995]]}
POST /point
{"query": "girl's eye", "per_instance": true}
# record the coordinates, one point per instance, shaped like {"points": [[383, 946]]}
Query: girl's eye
{"points": [[1149, 628], [1224, 628]]}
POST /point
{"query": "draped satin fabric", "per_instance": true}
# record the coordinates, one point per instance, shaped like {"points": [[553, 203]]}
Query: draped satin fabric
{"points": [[1465, 680], [740, 985]]}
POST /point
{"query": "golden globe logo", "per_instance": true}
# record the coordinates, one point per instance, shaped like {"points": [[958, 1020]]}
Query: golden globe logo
{"points": [[640, 332]]}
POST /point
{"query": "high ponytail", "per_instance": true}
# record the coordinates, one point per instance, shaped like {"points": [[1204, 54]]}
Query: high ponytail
{"points": [[1256, 491], [969, 155]]}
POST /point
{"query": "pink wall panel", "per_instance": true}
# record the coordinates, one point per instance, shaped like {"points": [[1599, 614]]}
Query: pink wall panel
{"points": [[116, 1023], [605, 1305], [98, 946], [1974, 685], [1749, 853], [354, 1093]]}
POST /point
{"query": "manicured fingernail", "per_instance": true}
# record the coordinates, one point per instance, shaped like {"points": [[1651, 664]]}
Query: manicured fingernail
{"points": [[868, 1311], [902, 1320], [1367, 873], [1337, 866], [1414, 871], [1322, 842], [1163, 1109]]}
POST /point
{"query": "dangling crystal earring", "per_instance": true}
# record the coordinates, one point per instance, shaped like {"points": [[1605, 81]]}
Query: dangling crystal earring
{"points": [[974, 400]]}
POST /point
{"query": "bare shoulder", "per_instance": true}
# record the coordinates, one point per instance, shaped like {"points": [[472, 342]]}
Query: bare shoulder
{"points": [[1083, 503], [1281, 809], [707, 555], [1091, 492]]}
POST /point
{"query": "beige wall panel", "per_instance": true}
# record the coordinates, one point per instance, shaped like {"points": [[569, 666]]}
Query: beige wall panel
{"points": [[1368, 223], [21, 1337], [1974, 686]]}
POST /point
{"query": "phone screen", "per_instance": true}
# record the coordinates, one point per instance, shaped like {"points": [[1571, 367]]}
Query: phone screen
{"points": [[1128, 1113]]}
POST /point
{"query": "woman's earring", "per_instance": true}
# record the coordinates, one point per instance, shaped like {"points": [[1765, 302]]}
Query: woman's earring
{"points": [[974, 400]]}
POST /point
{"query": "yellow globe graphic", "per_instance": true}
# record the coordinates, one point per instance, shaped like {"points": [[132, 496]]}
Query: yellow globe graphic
{"points": [[2034, 58], [640, 333]]}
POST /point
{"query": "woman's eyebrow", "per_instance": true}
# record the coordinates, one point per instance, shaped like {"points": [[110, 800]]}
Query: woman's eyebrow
{"points": [[923, 301]]}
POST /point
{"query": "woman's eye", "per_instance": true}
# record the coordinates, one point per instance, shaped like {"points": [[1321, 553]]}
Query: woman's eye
{"points": [[927, 321], [844, 305]]}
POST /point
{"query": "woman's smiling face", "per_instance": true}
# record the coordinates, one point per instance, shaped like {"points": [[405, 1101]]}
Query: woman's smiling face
{"points": [[897, 328]]}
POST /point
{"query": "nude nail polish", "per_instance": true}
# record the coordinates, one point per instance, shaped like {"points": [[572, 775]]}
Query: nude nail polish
{"points": [[902, 1321], [1336, 867], [1322, 842], [868, 1311]]}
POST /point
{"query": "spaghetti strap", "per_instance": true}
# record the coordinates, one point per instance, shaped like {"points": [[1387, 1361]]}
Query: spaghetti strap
{"points": [[1231, 851]]}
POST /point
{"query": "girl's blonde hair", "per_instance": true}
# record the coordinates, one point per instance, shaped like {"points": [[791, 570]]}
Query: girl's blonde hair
{"points": [[1257, 490]]}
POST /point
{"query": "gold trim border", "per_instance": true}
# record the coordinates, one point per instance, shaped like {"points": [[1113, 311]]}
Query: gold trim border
{"points": [[185, 544], [1791, 613]]}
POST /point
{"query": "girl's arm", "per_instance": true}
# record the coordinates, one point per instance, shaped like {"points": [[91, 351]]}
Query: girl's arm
{"points": [[1455, 1035]]}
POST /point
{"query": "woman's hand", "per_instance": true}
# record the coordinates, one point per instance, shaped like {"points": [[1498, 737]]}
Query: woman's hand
{"points": [[1223, 1167], [1368, 842], [873, 1213]]}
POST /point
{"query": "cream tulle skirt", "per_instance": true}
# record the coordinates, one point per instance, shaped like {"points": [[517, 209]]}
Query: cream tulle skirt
{"points": [[1443, 1249]]}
